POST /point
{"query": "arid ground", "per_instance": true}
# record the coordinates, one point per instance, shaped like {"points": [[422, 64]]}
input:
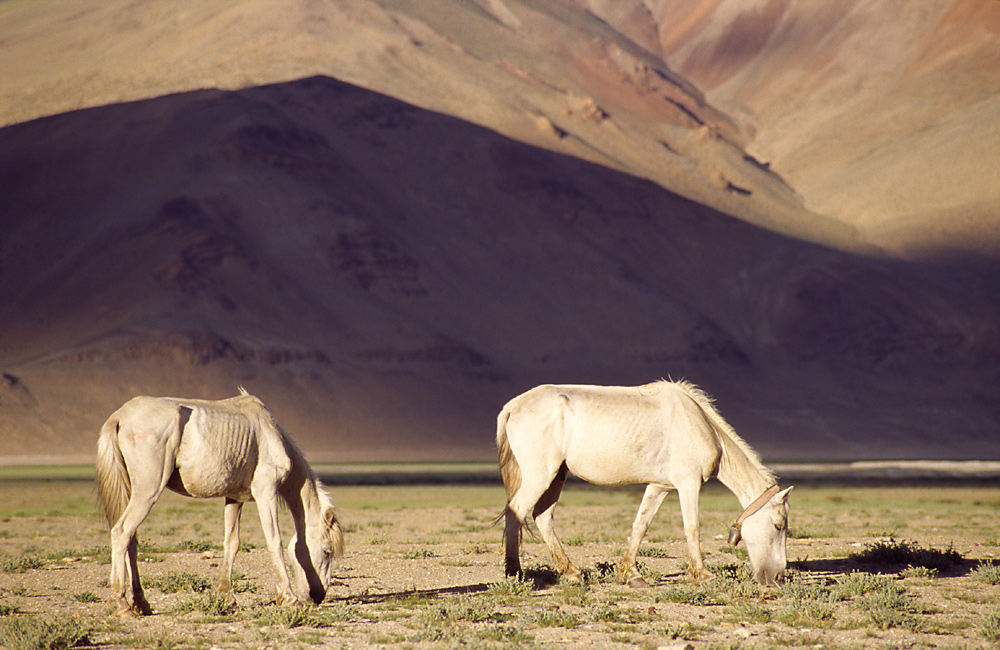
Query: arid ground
{"points": [[872, 565]]}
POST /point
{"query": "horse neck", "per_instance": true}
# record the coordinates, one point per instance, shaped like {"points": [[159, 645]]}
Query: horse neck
{"points": [[300, 492], [745, 478]]}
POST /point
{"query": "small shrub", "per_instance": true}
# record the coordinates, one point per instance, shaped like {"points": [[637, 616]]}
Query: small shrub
{"points": [[988, 573], [34, 633], [888, 609], [200, 546], [7, 610], [653, 551], [513, 586], [19, 564], [989, 628], [176, 581]]}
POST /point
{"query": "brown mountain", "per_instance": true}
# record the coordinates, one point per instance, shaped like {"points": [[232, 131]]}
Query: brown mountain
{"points": [[387, 218]]}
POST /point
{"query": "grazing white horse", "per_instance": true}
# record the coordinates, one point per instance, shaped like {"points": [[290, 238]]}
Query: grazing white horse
{"points": [[229, 448], [666, 434]]}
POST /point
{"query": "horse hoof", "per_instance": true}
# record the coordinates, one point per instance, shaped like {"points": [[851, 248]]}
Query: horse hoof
{"points": [[125, 610], [638, 583]]}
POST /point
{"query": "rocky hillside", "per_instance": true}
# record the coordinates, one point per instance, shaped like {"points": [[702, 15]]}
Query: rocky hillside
{"points": [[386, 219]]}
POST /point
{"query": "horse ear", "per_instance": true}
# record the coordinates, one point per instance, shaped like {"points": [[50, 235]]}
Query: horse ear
{"points": [[329, 517], [783, 495]]}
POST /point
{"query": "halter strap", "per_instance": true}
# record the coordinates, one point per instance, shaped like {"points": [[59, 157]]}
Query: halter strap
{"points": [[736, 530]]}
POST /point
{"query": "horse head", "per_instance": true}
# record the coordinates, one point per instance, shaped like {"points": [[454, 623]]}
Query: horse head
{"points": [[312, 558], [765, 532]]}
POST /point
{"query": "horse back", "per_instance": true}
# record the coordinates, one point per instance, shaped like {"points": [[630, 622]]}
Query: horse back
{"points": [[612, 435]]}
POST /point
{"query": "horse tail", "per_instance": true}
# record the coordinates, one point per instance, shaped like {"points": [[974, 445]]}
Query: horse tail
{"points": [[114, 487], [510, 472]]}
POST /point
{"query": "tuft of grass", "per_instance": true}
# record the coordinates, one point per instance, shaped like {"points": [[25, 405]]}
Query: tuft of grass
{"points": [[513, 586], [292, 616], [212, 604], [200, 546], [7, 610], [35, 633], [176, 581], [557, 618], [748, 611], [686, 595], [86, 597], [859, 584]]}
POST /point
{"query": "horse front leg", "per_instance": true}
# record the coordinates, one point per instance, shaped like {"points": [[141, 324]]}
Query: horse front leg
{"points": [[688, 497], [651, 501], [267, 508], [231, 545]]}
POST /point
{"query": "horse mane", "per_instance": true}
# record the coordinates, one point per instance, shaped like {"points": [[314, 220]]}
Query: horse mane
{"points": [[301, 471], [729, 440]]}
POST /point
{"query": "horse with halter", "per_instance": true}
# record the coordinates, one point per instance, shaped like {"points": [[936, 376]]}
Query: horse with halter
{"points": [[665, 434]]}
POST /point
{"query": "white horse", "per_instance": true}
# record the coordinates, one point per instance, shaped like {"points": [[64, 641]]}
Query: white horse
{"points": [[229, 448], [665, 434]]}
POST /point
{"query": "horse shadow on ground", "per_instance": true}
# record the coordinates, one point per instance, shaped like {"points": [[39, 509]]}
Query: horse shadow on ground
{"points": [[832, 567], [367, 598]]}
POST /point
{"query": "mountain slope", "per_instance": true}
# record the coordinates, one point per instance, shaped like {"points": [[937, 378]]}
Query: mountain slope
{"points": [[199, 199], [383, 273]]}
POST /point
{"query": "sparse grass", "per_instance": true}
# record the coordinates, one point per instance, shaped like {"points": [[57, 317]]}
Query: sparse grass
{"points": [[37, 633], [844, 598]]}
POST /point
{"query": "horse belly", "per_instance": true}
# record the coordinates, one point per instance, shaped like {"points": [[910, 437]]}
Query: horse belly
{"points": [[217, 458], [618, 458]]}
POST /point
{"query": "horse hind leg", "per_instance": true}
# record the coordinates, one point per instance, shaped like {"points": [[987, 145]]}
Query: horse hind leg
{"points": [[543, 512], [651, 501]]}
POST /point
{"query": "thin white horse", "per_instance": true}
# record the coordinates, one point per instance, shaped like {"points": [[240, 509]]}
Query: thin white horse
{"points": [[230, 448], [666, 434]]}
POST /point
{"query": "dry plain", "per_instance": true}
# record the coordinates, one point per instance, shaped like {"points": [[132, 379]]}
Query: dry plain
{"points": [[872, 565]]}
